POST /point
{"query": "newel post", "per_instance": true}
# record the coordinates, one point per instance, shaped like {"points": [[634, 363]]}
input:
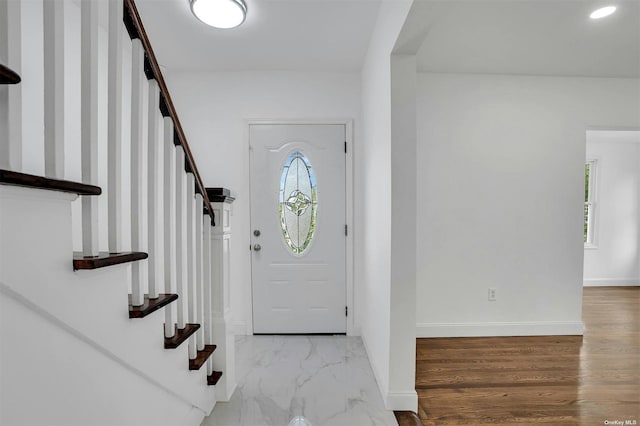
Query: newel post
{"points": [[224, 356]]}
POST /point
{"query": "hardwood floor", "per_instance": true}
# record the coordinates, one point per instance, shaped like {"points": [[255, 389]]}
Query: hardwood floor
{"points": [[559, 380]]}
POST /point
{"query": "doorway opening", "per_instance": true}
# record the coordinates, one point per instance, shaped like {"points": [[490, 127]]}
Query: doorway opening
{"points": [[612, 208]]}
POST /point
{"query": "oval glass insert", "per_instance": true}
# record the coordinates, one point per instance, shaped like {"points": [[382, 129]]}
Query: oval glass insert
{"points": [[298, 202]]}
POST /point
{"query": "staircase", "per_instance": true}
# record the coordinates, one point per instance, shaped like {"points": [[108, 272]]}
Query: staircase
{"points": [[112, 290]]}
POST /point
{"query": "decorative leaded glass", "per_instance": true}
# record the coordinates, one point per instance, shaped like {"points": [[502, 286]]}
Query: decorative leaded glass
{"points": [[298, 202]]}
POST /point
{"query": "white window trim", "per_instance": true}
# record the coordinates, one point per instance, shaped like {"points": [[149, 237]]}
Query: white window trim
{"points": [[592, 241]]}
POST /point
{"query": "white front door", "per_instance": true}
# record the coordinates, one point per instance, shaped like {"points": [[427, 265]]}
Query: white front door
{"points": [[298, 228]]}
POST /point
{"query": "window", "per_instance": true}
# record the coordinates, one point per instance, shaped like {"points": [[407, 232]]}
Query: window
{"points": [[298, 202], [589, 202]]}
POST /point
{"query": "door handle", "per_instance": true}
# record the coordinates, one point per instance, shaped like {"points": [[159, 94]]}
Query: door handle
{"points": [[257, 247]]}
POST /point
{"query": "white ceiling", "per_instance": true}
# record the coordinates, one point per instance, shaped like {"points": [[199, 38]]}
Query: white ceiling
{"points": [[535, 37], [295, 35], [532, 37]]}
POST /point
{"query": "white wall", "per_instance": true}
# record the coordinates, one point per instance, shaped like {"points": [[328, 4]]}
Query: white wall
{"points": [[54, 378], [374, 226], [500, 198], [615, 258], [214, 109]]}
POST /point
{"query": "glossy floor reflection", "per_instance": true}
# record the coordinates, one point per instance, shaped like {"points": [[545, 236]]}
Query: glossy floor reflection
{"points": [[307, 380]]}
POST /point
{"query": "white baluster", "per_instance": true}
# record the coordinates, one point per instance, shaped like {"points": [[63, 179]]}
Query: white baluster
{"points": [[181, 234], [114, 125], [11, 95], [198, 260], [53, 22], [169, 222], [155, 191], [138, 176], [191, 259], [206, 283], [89, 122]]}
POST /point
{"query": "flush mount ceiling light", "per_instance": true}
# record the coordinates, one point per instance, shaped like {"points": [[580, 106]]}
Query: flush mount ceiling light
{"points": [[220, 13], [602, 12]]}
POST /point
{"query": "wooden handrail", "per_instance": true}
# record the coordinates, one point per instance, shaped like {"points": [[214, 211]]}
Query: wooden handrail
{"points": [[134, 26], [9, 177]]}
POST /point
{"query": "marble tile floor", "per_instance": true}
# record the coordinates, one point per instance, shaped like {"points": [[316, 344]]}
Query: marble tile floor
{"points": [[302, 381]]}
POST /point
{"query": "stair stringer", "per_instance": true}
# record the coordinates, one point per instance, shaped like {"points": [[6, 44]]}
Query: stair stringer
{"points": [[36, 267]]}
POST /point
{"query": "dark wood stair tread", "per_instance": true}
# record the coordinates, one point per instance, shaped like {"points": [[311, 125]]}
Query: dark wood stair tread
{"points": [[9, 177], [150, 305], [106, 259], [214, 377], [180, 336], [201, 357], [8, 76]]}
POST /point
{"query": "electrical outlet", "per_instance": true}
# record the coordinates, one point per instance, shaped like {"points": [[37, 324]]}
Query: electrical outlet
{"points": [[492, 294]]}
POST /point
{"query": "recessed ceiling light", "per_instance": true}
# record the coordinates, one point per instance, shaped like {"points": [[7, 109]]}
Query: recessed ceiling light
{"points": [[602, 12], [220, 13]]}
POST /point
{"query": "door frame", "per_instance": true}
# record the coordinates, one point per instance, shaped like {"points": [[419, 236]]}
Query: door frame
{"points": [[349, 193]]}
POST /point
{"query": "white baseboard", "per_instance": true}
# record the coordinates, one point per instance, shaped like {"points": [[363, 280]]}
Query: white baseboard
{"points": [[611, 282], [226, 396], [239, 328], [380, 380], [533, 328], [402, 401]]}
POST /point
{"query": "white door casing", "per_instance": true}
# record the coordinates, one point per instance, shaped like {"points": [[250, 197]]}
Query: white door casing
{"points": [[298, 292]]}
